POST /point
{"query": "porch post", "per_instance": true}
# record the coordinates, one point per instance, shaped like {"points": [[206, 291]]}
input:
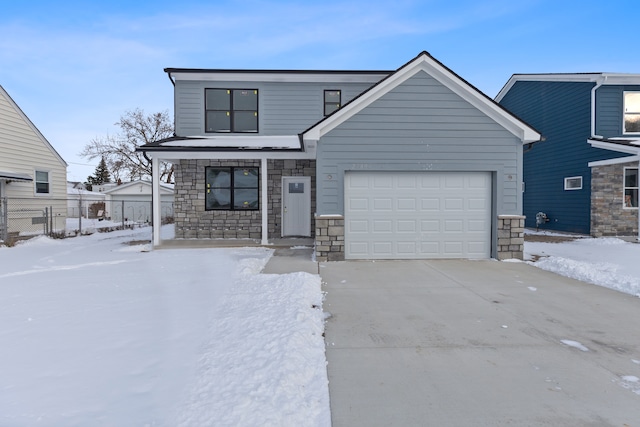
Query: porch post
{"points": [[265, 201], [155, 199]]}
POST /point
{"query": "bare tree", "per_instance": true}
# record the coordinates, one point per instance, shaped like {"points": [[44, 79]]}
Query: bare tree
{"points": [[119, 151]]}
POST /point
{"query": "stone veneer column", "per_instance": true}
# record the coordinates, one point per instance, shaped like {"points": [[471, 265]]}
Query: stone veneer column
{"points": [[609, 217], [510, 237], [329, 238]]}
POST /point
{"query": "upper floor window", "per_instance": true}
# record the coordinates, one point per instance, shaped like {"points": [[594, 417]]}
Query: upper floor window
{"points": [[632, 112], [332, 101], [42, 182], [630, 187], [231, 110], [231, 188]]}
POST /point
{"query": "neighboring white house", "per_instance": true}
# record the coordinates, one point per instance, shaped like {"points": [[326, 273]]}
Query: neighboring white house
{"points": [[80, 201], [132, 201], [33, 176]]}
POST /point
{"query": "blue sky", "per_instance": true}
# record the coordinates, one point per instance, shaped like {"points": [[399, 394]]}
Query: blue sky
{"points": [[75, 67]]}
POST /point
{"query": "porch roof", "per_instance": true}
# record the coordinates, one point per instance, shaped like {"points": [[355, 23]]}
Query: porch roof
{"points": [[226, 143], [13, 176]]}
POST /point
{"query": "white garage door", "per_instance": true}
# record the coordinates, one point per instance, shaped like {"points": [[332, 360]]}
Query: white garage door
{"points": [[417, 215]]}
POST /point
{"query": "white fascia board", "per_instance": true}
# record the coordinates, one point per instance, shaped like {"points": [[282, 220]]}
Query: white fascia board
{"points": [[281, 77], [614, 147], [615, 161], [435, 70]]}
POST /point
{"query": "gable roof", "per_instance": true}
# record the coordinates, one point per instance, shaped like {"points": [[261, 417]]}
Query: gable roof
{"points": [[598, 78], [427, 63], [26, 119]]}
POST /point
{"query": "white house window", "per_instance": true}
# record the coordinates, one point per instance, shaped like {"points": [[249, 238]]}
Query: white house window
{"points": [[573, 183], [231, 110], [631, 188], [231, 188], [42, 182], [332, 101], [632, 112]]}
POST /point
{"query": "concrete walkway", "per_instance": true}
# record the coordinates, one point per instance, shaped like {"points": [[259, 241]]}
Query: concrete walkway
{"points": [[477, 343]]}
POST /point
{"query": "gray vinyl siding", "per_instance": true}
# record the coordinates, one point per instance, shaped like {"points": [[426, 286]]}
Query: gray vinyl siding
{"points": [[420, 125], [283, 108], [609, 109]]}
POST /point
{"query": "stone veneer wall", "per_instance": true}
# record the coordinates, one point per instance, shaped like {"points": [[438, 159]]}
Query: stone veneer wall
{"points": [[608, 216], [510, 237], [192, 221], [330, 238]]}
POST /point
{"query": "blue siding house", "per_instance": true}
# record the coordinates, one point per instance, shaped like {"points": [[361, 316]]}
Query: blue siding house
{"points": [[575, 176], [404, 164]]}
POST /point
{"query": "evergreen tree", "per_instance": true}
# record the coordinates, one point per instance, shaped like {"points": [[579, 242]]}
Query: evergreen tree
{"points": [[100, 176]]}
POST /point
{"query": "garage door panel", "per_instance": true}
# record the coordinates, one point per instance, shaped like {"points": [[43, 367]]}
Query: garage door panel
{"points": [[382, 226], [358, 226], [383, 204], [406, 226], [417, 215], [361, 204], [430, 204]]}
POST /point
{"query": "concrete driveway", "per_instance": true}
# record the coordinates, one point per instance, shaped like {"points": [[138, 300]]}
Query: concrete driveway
{"points": [[477, 343]]}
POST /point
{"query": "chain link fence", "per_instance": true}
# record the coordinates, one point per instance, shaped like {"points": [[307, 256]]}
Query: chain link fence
{"points": [[28, 217]]}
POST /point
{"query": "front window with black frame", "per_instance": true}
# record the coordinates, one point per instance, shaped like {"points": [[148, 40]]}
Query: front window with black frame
{"points": [[332, 101], [231, 110], [231, 188]]}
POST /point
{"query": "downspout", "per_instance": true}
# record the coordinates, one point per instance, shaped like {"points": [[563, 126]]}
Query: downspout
{"points": [[602, 80]]}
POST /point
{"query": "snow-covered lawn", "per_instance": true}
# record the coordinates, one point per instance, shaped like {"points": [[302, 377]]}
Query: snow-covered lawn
{"points": [[97, 332], [610, 262]]}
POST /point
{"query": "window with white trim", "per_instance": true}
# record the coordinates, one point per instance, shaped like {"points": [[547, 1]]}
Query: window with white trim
{"points": [[42, 182], [631, 122], [573, 183], [630, 188]]}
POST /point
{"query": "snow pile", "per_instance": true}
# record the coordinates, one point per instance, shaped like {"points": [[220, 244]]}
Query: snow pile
{"points": [[270, 326], [95, 331], [608, 262]]}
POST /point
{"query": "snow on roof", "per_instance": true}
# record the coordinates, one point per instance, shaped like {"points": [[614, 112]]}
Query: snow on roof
{"points": [[229, 141]]}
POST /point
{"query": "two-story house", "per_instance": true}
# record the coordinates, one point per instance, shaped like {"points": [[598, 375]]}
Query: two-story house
{"points": [[584, 177], [33, 176], [411, 163]]}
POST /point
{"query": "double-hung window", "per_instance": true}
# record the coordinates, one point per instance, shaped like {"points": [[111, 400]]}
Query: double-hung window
{"points": [[231, 110], [631, 112], [231, 188], [332, 101], [630, 187], [42, 182]]}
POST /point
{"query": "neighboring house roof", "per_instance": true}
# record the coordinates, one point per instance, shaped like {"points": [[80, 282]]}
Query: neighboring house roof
{"points": [[622, 145], [165, 188], [12, 176], [32, 126], [598, 78], [427, 63]]}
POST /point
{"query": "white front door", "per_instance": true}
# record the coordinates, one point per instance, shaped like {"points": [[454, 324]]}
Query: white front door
{"points": [[296, 206]]}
